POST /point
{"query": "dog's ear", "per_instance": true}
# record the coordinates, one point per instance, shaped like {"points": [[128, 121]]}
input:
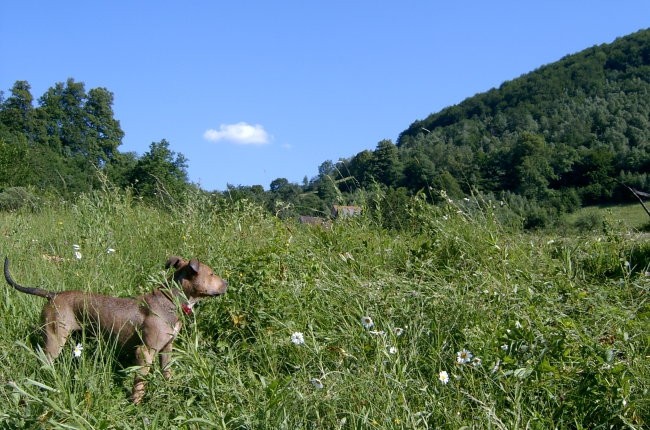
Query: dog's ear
{"points": [[174, 262], [194, 264]]}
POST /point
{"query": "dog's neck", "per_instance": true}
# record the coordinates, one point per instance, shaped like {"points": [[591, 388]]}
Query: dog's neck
{"points": [[176, 296]]}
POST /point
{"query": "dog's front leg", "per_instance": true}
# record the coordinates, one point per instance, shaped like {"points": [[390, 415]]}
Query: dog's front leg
{"points": [[165, 359], [144, 358]]}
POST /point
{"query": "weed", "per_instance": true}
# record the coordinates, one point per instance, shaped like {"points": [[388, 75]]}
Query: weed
{"points": [[474, 323]]}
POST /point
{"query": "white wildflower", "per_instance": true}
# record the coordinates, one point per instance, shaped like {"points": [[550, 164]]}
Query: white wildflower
{"points": [[367, 322], [463, 356], [443, 377], [77, 350], [77, 251], [298, 338]]}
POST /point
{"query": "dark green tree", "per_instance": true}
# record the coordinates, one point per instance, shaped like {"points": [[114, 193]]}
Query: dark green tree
{"points": [[283, 198], [531, 163], [360, 168], [160, 174], [17, 111], [103, 131], [386, 166], [419, 173]]}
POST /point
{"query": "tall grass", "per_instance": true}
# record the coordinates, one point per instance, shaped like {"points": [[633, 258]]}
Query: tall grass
{"points": [[557, 326]]}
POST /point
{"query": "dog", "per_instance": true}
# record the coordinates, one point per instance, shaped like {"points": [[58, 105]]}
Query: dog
{"points": [[145, 325]]}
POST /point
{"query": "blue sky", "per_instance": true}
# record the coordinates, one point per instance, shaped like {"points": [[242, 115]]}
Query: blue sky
{"points": [[251, 91]]}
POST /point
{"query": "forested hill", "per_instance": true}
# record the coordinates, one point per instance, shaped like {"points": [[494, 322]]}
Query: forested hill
{"points": [[568, 134], [576, 124]]}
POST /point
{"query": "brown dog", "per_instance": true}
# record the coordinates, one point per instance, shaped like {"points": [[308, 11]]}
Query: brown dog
{"points": [[145, 325]]}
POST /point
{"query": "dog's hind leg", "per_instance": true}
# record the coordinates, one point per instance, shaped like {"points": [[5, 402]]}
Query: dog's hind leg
{"points": [[57, 328], [144, 358]]}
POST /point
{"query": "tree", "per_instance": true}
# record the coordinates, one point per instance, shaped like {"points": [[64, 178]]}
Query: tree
{"points": [[12, 161], [594, 172], [253, 193], [103, 134], [327, 190], [386, 166], [160, 173], [283, 197], [120, 168], [530, 160], [62, 106], [81, 124], [17, 112], [360, 167], [419, 173]]}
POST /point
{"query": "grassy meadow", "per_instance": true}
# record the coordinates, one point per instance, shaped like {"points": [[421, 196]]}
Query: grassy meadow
{"points": [[455, 322]]}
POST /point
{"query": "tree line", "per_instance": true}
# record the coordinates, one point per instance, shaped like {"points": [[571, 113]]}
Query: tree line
{"points": [[575, 132], [69, 142], [572, 133]]}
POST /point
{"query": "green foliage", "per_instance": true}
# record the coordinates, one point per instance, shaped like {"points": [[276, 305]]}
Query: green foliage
{"points": [[70, 141], [567, 134], [160, 174], [14, 198], [556, 325], [386, 167], [13, 151], [571, 126]]}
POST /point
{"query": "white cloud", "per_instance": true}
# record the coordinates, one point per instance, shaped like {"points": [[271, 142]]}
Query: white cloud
{"points": [[241, 133]]}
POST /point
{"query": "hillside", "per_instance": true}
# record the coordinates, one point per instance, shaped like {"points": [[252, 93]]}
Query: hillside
{"points": [[575, 124], [562, 134]]}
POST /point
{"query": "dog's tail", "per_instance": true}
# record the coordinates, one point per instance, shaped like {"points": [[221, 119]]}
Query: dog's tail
{"points": [[29, 290]]}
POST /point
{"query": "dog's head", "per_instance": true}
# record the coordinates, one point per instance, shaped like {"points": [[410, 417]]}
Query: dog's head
{"points": [[197, 279]]}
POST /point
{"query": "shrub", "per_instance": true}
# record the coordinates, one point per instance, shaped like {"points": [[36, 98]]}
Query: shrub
{"points": [[589, 221], [15, 198]]}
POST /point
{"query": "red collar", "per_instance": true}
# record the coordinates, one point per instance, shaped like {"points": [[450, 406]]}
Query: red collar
{"points": [[185, 306], [187, 309]]}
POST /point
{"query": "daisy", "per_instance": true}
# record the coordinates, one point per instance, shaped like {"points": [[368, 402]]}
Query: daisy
{"points": [[298, 338], [77, 251], [392, 350], [367, 322], [443, 377], [77, 350], [399, 331], [476, 362], [463, 356]]}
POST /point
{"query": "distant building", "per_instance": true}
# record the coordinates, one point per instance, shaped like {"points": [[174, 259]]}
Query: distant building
{"points": [[345, 211]]}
